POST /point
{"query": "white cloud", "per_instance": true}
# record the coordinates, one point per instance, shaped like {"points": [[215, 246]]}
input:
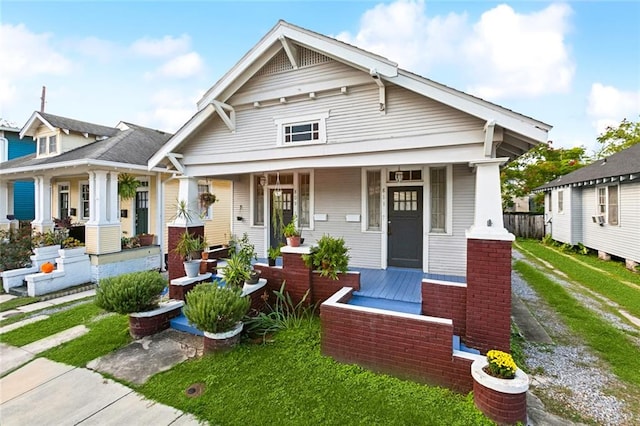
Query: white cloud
{"points": [[166, 46], [607, 106], [102, 50], [183, 66], [26, 53], [169, 110], [503, 54]]}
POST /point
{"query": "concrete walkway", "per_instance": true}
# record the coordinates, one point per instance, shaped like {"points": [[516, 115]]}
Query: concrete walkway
{"points": [[47, 304], [47, 392]]}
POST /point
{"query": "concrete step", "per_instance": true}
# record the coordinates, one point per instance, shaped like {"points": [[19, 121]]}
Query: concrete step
{"points": [[181, 323], [19, 291], [387, 304]]}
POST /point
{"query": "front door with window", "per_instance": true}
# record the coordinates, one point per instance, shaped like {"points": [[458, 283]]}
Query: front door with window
{"points": [[142, 212], [404, 230], [287, 215]]}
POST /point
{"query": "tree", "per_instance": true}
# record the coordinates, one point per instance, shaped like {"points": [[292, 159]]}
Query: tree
{"points": [[615, 139], [538, 166]]}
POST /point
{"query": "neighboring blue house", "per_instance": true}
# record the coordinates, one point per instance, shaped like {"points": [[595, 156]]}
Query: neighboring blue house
{"points": [[11, 146]]}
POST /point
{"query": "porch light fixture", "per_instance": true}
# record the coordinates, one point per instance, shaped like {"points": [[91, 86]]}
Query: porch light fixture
{"points": [[399, 176]]}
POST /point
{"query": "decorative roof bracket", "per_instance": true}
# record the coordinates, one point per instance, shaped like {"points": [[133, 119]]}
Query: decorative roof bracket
{"points": [[489, 127], [291, 50], [173, 157], [222, 109]]}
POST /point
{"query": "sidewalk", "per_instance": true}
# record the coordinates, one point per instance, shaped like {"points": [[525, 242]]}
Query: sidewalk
{"points": [[47, 392]]}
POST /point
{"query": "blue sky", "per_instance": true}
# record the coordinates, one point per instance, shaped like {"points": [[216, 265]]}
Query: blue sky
{"points": [[574, 65]]}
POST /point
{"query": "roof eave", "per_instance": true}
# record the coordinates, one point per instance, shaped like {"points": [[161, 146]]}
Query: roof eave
{"points": [[26, 129], [81, 163]]}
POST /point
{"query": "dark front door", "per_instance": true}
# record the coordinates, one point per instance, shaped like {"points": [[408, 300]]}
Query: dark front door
{"points": [[142, 212], [287, 215], [405, 227]]}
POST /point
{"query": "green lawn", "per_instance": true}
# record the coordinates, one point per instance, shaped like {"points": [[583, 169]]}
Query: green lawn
{"points": [[606, 282], [290, 382], [611, 344], [17, 302]]}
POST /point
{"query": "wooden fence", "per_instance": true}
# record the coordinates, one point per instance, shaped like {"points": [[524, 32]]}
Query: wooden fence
{"points": [[526, 225]]}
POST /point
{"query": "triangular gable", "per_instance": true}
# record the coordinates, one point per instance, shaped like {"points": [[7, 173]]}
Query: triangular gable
{"points": [[30, 127], [285, 38]]}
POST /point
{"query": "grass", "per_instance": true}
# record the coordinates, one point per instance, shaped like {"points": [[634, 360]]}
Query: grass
{"points": [[17, 302], [289, 382], [605, 283], [57, 322], [611, 344]]}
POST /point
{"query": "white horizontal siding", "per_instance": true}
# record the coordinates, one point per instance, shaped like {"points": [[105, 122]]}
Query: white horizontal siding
{"points": [[448, 253], [241, 196], [561, 225], [353, 117], [338, 193], [622, 240], [575, 208]]}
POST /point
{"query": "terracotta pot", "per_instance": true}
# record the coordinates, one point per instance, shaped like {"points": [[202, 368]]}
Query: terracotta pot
{"points": [[293, 241], [145, 239]]}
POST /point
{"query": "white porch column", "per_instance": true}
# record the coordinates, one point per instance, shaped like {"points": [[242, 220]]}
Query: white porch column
{"points": [[42, 192], [188, 194], [487, 219], [4, 204], [99, 197], [113, 213]]}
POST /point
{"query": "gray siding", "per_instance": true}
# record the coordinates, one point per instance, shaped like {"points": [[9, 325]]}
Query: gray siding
{"points": [[241, 193], [622, 240], [353, 117], [448, 253]]}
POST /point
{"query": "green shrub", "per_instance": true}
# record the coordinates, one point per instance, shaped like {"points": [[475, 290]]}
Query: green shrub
{"points": [[215, 309], [329, 256], [15, 248], [132, 292]]}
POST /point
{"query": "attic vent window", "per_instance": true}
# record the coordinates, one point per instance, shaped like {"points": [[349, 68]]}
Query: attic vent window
{"points": [[302, 130], [310, 57]]}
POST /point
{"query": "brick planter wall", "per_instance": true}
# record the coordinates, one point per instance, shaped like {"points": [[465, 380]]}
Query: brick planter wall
{"points": [[178, 292], [297, 276], [146, 323], [324, 287], [446, 300], [220, 344], [403, 345], [502, 408], [488, 295], [174, 263]]}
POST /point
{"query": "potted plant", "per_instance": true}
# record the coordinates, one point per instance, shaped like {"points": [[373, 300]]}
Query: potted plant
{"points": [[145, 239], [187, 247], [244, 252], [292, 233], [206, 199], [272, 254], [127, 186], [138, 295], [330, 257], [217, 311]]}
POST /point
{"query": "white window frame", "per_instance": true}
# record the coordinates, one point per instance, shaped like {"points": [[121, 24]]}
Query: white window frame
{"points": [[60, 191], [81, 201], [426, 175], [319, 117], [43, 142], [43, 145], [209, 214], [560, 202], [296, 196], [252, 200], [605, 214], [364, 197]]}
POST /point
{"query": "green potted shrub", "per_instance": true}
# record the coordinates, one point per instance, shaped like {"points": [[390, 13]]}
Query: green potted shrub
{"points": [[243, 253], [217, 311], [187, 247], [292, 233], [330, 257], [235, 272], [138, 295], [272, 254]]}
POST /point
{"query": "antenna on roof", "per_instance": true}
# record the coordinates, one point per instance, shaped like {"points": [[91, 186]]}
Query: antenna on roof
{"points": [[43, 98]]}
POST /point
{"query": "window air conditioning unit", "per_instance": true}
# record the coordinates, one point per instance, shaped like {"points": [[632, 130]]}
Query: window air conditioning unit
{"points": [[598, 219]]}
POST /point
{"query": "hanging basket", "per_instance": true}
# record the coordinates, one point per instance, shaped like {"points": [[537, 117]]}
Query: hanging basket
{"points": [[207, 198]]}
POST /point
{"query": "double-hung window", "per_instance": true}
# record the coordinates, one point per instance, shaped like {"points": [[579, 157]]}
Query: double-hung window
{"points": [[607, 203], [84, 200], [560, 201]]}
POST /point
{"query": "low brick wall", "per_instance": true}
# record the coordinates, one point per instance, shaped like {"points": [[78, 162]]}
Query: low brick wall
{"points": [[404, 345], [502, 408], [143, 324], [297, 276], [446, 300], [179, 292], [323, 288]]}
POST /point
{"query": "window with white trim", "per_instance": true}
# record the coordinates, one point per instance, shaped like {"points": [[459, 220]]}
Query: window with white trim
{"points": [[302, 130], [258, 200], [560, 201], [304, 205], [602, 201], [607, 202], [438, 200], [47, 145], [373, 198], [206, 212], [63, 200], [53, 145], [550, 202], [42, 145], [84, 200]]}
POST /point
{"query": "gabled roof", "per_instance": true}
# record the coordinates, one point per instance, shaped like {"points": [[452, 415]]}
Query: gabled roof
{"points": [[132, 146], [525, 131], [8, 126], [66, 124], [623, 166]]}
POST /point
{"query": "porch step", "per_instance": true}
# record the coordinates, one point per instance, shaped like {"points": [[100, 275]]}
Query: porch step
{"points": [[387, 304], [19, 291], [181, 323]]}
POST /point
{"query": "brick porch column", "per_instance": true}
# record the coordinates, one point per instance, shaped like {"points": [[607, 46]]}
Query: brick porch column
{"points": [[175, 262], [488, 322], [295, 273]]}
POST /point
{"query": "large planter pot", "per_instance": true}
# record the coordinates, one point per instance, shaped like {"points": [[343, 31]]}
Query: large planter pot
{"points": [[502, 400], [145, 239], [218, 342], [147, 323], [192, 268], [293, 241]]}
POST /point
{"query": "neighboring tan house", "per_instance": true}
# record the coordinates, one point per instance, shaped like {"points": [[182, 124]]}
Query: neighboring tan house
{"points": [[75, 170], [402, 167], [598, 206], [20, 194]]}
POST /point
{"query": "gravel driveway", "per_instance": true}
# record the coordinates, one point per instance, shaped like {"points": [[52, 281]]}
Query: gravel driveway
{"points": [[565, 375]]}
